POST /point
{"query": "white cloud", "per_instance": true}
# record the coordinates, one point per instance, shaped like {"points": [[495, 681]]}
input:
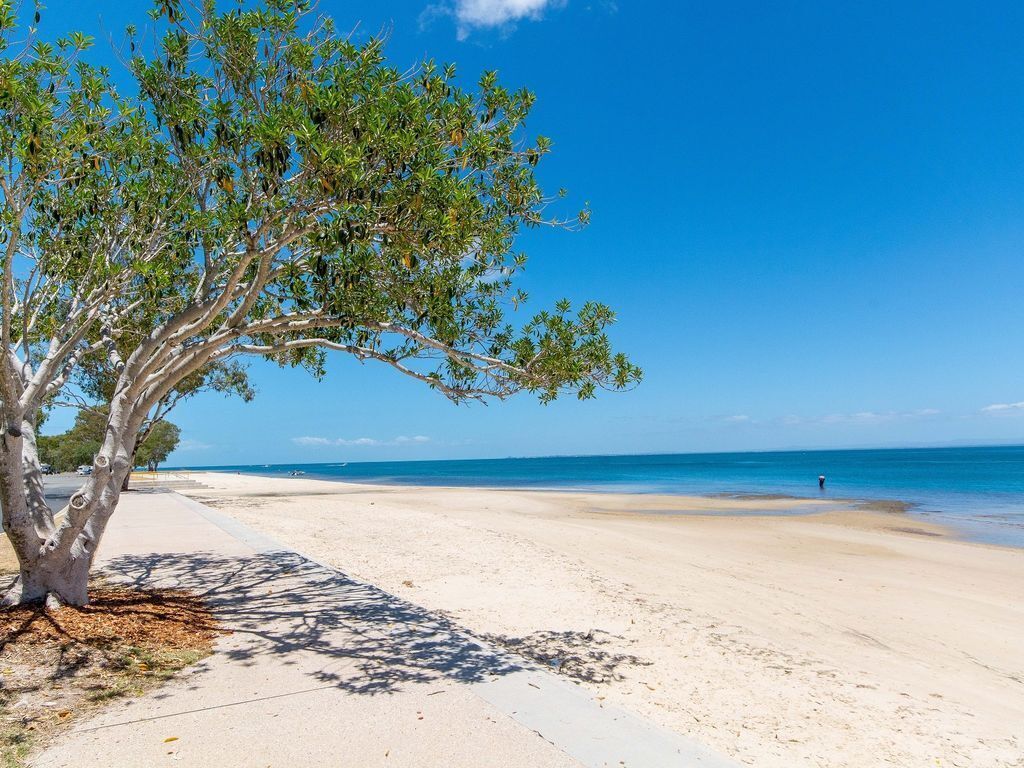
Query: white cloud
{"points": [[494, 13], [359, 442], [482, 14], [1003, 407]]}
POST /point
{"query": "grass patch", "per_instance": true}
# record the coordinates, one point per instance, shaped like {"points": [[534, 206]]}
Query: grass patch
{"points": [[15, 745], [58, 666]]}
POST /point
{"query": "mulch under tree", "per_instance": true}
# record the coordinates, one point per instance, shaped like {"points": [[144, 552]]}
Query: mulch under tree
{"points": [[59, 664]]}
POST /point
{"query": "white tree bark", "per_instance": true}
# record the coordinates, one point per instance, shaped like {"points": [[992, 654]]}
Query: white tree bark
{"points": [[56, 559]]}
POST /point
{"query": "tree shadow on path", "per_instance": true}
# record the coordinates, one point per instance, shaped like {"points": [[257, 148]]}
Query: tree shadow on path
{"points": [[351, 635]]}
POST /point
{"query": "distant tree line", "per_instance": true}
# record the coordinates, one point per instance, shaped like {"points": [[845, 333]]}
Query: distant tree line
{"points": [[79, 444]]}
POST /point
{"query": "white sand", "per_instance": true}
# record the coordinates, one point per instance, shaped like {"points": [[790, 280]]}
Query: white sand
{"points": [[835, 639]]}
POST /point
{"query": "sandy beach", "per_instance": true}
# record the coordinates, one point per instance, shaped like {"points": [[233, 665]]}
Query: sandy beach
{"points": [[839, 637]]}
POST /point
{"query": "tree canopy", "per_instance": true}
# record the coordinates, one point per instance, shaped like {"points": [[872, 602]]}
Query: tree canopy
{"points": [[280, 191], [268, 187]]}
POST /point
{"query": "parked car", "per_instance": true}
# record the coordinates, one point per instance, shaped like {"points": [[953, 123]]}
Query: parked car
{"points": [[46, 469], [84, 469]]}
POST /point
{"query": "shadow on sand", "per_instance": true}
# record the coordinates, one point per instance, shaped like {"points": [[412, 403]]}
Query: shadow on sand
{"points": [[589, 657]]}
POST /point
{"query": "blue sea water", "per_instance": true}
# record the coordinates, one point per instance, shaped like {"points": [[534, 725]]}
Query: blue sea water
{"points": [[979, 490]]}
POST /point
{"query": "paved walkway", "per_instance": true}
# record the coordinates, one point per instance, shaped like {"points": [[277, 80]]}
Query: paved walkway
{"points": [[322, 670]]}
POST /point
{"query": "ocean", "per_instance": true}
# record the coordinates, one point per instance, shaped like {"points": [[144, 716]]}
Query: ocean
{"points": [[979, 491]]}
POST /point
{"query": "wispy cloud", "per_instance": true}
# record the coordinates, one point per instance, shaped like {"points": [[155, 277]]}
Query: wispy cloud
{"points": [[402, 439], [861, 418], [876, 417], [735, 418], [489, 14], [193, 445], [1003, 408], [359, 442]]}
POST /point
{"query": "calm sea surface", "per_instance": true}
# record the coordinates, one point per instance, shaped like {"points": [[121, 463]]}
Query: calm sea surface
{"points": [[978, 490]]}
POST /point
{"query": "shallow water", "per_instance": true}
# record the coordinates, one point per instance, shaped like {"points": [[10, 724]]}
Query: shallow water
{"points": [[979, 491]]}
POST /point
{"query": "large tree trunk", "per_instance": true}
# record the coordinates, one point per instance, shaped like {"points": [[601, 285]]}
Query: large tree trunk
{"points": [[59, 566], [55, 560], [16, 486], [35, 493], [28, 521], [65, 579]]}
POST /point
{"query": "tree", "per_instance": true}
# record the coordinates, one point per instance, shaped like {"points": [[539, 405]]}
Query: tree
{"points": [[273, 189], [64, 452], [79, 444], [73, 153], [159, 443], [98, 380]]}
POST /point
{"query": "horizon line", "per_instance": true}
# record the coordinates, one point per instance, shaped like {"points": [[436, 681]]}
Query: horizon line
{"points": [[613, 455]]}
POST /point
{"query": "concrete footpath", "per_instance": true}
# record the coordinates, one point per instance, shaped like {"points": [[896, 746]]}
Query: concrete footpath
{"points": [[322, 670]]}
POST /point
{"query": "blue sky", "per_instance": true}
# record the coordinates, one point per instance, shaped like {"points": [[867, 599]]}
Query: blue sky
{"points": [[808, 216]]}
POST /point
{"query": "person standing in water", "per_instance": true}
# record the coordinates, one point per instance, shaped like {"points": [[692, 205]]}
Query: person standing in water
{"points": [[821, 482]]}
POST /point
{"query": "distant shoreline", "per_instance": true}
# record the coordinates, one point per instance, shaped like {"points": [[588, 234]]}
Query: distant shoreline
{"points": [[979, 490], [676, 504], [873, 505]]}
